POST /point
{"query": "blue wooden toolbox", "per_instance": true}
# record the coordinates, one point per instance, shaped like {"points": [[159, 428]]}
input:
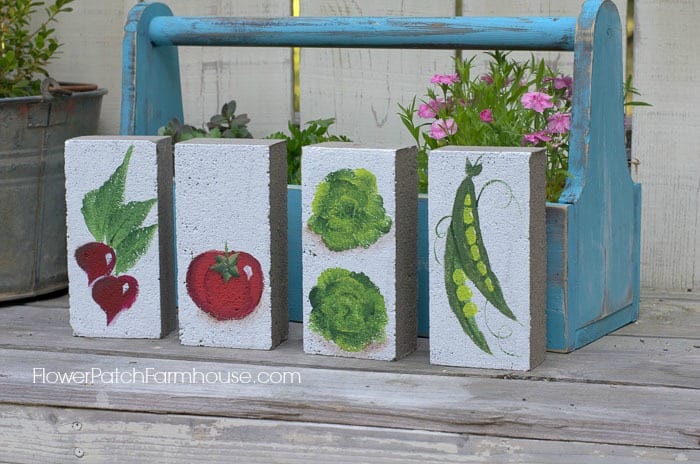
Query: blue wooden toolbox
{"points": [[593, 232]]}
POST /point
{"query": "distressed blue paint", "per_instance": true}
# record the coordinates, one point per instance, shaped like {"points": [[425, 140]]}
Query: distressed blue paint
{"points": [[151, 93], [294, 270], [556, 227], [423, 266], [601, 291], [593, 233], [525, 33]]}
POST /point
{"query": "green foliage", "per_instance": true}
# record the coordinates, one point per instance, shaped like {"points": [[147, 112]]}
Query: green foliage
{"points": [[229, 125], [347, 309], [24, 51], [630, 91], [315, 132], [226, 125], [117, 224], [101, 203], [488, 110], [348, 211], [180, 132], [513, 104]]}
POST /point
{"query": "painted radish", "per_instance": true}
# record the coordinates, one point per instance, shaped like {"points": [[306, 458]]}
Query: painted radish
{"points": [[96, 259], [115, 294]]}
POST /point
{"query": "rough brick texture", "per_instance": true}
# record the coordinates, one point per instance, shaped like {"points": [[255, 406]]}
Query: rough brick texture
{"points": [[359, 239], [231, 195], [120, 236], [487, 263]]}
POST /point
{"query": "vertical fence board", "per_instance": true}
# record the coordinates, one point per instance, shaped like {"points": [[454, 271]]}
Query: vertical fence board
{"points": [[260, 80], [361, 88], [563, 61], [91, 36], [373, 81], [666, 52]]}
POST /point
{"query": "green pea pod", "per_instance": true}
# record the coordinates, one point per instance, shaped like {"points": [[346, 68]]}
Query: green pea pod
{"points": [[456, 286], [469, 244]]}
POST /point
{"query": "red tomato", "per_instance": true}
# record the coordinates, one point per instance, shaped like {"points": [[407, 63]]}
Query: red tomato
{"points": [[225, 284]]}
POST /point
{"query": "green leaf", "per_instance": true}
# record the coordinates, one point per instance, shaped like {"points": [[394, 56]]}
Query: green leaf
{"points": [[100, 204], [126, 219], [134, 245]]}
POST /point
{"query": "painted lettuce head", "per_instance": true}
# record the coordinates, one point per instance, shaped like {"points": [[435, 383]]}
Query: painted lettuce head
{"points": [[347, 309], [348, 211]]}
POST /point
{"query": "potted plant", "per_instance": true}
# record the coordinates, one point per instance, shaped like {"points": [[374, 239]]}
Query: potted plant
{"points": [[592, 221], [37, 115]]}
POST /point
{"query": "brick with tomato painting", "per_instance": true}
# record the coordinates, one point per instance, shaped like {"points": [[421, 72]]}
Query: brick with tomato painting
{"points": [[231, 223]]}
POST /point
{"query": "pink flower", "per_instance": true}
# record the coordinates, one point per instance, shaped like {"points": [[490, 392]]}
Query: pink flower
{"points": [[446, 79], [486, 116], [536, 101], [559, 123], [442, 128], [429, 110], [563, 82], [566, 83], [536, 137], [488, 78]]}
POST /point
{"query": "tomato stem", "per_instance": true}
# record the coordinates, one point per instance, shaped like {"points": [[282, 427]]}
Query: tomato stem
{"points": [[226, 265]]}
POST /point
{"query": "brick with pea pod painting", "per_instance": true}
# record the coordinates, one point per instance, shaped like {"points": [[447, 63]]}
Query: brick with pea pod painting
{"points": [[487, 267]]}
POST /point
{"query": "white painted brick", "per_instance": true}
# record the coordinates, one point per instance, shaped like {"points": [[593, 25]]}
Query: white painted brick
{"points": [[232, 193], [90, 162], [513, 235], [390, 263]]}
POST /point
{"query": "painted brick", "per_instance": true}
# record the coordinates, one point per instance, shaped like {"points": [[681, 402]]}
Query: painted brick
{"points": [[231, 194], [375, 259], [131, 292], [493, 244]]}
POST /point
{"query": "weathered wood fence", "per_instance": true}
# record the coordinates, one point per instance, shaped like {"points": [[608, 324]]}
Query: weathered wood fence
{"points": [[361, 89]]}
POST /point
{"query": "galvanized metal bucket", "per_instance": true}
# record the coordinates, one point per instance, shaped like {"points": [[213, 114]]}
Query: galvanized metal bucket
{"points": [[32, 187]]}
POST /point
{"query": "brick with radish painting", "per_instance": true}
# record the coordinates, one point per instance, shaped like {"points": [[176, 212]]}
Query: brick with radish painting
{"points": [[231, 227], [487, 257], [359, 239], [120, 236]]}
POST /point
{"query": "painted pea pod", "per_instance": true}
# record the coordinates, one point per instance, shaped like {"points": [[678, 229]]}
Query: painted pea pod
{"points": [[459, 295], [469, 243]]}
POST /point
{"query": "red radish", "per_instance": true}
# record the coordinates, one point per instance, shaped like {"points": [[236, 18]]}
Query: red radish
{"points": [[115, 294], [96, 259], [226, 285]]}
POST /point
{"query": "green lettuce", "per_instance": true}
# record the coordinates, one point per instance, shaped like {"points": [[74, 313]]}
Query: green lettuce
{"points": [[348, 309], [347, 210]]}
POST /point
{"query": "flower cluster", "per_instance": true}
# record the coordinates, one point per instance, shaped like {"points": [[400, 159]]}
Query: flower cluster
{"points": [[513, 104]]}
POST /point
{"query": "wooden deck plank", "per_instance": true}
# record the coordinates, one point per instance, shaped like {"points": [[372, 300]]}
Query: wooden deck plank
{"points": [[596, 413], [639, 360], [117, 437], [666, 315], [627, 392], [662, 314]]}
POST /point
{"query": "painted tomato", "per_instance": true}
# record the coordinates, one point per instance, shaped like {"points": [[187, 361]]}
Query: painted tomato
{"points": [[225, 284]]}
